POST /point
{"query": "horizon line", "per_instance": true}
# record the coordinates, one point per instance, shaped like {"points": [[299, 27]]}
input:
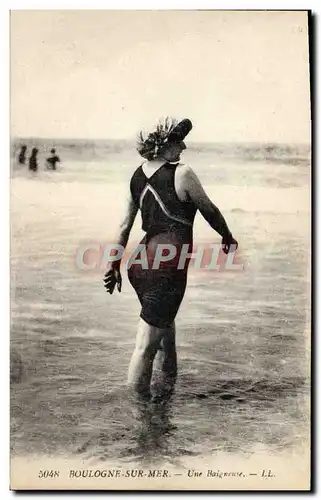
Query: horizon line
{"points": [[128, 139]]}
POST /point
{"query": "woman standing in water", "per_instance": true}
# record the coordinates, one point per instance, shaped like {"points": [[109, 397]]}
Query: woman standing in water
{"points": [[168, 193], [22, 155], [33, 160]]}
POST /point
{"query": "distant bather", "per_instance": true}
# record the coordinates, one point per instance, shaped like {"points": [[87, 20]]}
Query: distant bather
{"points": [[52, 160], [33, 161], [22, 155]]}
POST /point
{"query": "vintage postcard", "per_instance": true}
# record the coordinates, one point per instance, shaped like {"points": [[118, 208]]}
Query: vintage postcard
{"points": [[160, 250]]}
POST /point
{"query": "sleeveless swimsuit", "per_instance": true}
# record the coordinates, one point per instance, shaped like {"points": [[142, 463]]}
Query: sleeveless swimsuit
{"points": [[165, 220]]}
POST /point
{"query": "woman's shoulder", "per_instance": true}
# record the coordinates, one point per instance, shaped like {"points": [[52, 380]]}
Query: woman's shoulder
{"points": [[184, 169], [186, 176]]}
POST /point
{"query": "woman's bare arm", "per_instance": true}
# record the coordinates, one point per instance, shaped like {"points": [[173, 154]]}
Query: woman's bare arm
{"points": [[127, 222], [196, 193], [113, 275]]}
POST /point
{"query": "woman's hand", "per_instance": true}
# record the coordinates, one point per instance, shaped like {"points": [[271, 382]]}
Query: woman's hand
{"points": [[112, 277], [227, 242]]}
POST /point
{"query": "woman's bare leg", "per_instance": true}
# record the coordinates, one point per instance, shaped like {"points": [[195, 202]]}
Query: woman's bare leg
{"points": [[141, 365], [166, 358]]}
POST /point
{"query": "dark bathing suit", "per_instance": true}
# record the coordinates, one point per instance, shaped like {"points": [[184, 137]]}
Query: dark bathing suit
{"points": [[165, 220]]}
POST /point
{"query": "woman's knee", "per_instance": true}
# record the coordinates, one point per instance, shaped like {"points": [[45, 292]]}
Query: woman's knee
{"points": [[146, 350], [148, 339]]}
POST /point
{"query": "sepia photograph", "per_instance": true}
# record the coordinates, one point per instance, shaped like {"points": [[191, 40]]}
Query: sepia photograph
{"points": [[160, 250]]}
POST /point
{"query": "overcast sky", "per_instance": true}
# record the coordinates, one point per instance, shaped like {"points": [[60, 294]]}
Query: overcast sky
{"points": [[238, 76]]}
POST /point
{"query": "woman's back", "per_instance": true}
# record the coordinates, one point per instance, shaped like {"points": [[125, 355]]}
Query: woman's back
{"points": [[153, 191]]}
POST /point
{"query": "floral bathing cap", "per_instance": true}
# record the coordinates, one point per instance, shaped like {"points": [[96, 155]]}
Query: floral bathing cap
{"points": [[167, 130]]}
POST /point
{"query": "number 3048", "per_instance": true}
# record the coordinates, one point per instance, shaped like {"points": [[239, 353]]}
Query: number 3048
{"points": [[48, 473]]}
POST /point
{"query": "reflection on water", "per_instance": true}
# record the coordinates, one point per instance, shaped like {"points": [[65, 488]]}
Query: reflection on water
{"points": [[153, 431], [146, 438]]}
